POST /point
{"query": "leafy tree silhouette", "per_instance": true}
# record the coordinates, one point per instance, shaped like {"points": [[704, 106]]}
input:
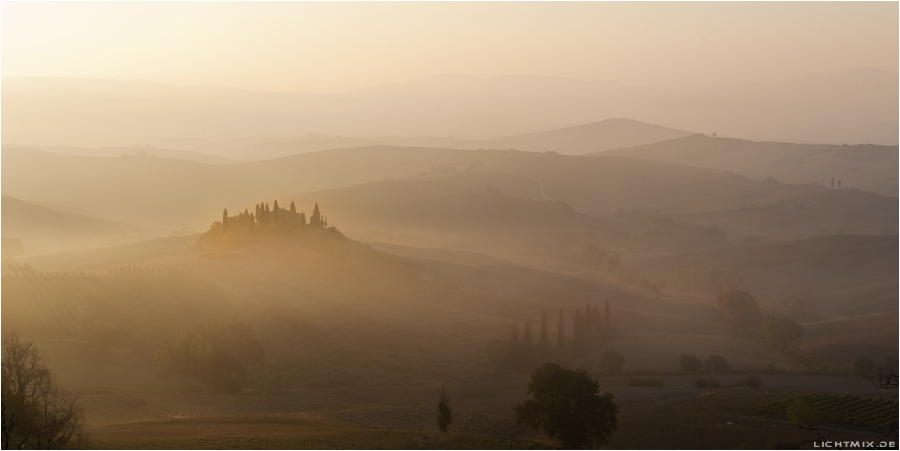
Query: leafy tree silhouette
{"points": [[566, 404]]}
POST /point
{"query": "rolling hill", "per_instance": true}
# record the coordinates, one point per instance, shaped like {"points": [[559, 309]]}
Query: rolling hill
{"points": [[817, 213], [577, 140], [45, 230], [134, 189], [858, 106], [439, 190], [588, 138], [131, 151], [842, 275], [865, 167]]}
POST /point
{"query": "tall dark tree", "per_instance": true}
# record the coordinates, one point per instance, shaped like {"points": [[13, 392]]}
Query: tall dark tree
{"points": [[316, 218], [576, 325], [225, 219], [567, 405], [445, 410], [293, 208], [606, 319], [544, 328], [526, 336], [588, 320], [560, 330]]}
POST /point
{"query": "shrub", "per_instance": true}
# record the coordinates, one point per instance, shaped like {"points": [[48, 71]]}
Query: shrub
{"points": [[717, 364], [690, 364]]}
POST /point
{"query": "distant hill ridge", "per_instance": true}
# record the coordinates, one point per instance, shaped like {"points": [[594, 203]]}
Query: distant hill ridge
{"points": [[868, 167]]}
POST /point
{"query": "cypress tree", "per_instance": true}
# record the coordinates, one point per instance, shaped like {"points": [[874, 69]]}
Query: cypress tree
{"points": [[606, 319], [225, 219], [316, 218], [578, 327], [560, 330], [293, 208], [588, 320], [544, 328]]}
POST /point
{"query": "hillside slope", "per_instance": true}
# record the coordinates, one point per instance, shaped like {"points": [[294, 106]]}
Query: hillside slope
{"points": [[843, 275], [865, 167], [45, 230], [588, 138]]}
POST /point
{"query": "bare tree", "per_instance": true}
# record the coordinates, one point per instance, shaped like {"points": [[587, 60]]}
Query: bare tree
{"points": [[33, 403]]}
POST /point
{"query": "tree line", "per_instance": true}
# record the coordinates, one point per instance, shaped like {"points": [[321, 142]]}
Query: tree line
{"points": [[526, 348], [275, 218]]}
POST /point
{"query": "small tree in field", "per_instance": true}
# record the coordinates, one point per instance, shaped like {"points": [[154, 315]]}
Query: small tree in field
{"points": [[782, 333], [566, 404], [690, 364], [717, 364], [739, 308], [216, 353], [445, 411]]}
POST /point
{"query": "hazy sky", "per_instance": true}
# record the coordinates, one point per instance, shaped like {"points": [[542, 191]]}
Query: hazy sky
{"points": [[334, 47]]}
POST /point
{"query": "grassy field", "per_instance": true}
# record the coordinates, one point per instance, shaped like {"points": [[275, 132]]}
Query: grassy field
{"points": [[285, 432]]}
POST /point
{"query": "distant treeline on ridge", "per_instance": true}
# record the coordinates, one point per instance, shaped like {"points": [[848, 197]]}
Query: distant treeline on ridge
{"points": [[242, 228]]}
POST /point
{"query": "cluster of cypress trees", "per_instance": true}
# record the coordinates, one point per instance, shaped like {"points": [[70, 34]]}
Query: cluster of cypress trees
{"points": [[275, 218], [589, 324]]}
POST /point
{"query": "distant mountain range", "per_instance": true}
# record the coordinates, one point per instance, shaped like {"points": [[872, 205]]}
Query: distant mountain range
{"points": [[854, 107]]}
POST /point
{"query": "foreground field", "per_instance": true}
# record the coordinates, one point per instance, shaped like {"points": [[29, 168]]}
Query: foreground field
{"points": [[285, 432]]}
